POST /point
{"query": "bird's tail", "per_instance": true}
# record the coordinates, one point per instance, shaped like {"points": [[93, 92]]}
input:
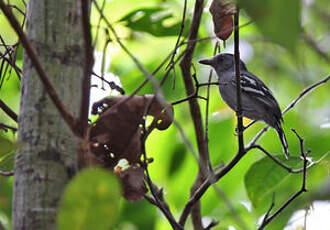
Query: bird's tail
{"points": [[282, 137]]}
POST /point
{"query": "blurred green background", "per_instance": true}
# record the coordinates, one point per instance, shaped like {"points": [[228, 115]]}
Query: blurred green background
{"points": [[286, 63]]}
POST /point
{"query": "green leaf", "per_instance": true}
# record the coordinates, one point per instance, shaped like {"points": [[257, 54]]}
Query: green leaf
{"points": [[278, 20], [90, 201], [6, 146], [152, 21], [265, 175]]}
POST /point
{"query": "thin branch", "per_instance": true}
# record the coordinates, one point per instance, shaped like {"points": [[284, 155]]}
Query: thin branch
{"points": [[303, 189], [18, 9], [2, 173], [104, 57], [270, 209], [194, 95], [195, 112], [70, 120], [88, 64], [11, 59], [13, 65], [172, 63], [111, 84], [8, 111], [206, 137], [99, 24], [305, 92], [238, 80], [6, 127], [212, 224], [157, 201], [283, 165], [183, 21]]}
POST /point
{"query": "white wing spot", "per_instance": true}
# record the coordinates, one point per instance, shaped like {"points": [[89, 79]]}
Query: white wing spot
{"points": [[248, 89], [252, 81], [267, 90]]}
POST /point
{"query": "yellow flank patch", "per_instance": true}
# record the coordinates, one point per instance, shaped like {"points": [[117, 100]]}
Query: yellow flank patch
{"points": [[246, 121]]}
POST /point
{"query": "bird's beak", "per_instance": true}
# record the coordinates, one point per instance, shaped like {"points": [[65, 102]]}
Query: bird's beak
{"points": [[206, 62]]}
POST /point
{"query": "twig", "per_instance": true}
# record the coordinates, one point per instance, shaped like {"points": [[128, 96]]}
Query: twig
{"points": [[286, 167], [10, 60], [18, 9], [238, 80], [99, 24], [212, 224], [2, 173], [3, 73], [208, 83], [171, 63], [303, 189], [104, 58], [165, 210], [183, 21], [269, 209], [206, 137], [305, 92], [13, 65], [70, 120], [6, 127], [192, 96], [151, 200], [111, 84], [8, 110], [195, 112], [88, 64]]}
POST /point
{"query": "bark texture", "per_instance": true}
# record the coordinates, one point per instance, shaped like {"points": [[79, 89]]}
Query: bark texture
{"points": [[47, 156]]}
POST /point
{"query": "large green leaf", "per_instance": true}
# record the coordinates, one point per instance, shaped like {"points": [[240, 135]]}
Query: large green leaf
{"points": [[91, 201], [278, 20], [265, 175], [152, 21]]}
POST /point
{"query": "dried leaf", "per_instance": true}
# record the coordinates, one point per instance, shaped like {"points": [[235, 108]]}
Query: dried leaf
{"points": [[133, 183], [116, 135], [222, 11], [118, 132]]}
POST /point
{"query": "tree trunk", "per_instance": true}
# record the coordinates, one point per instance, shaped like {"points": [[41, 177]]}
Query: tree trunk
{"points": [[47, 156]]}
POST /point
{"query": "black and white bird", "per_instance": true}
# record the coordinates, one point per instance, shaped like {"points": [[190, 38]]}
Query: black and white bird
{"points": [[258, 102]]}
